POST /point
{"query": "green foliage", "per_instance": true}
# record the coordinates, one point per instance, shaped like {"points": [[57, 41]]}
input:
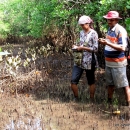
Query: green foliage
{"points": [[127, 21], [4, 26], [38, 18]]}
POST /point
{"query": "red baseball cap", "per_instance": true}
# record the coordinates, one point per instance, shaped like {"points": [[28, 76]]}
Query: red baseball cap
{"points": [[112, 14]]}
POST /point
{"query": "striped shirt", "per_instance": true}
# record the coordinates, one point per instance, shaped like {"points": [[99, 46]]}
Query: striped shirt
{"points": [[113, 57]]}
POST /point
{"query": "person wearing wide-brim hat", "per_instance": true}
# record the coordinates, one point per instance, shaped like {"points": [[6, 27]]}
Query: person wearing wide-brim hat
{"points": [[115, 59]]}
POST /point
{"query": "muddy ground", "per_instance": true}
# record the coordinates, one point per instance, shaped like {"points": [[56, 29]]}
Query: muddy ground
{"points": [[41, 99]]}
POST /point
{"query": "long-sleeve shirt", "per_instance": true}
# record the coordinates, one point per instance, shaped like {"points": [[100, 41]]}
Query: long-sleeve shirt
{"points": [[89, 40]]}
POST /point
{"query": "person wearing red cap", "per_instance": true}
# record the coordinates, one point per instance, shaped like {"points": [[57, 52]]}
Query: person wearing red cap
{"points": [[86, 60], [115, 60]]}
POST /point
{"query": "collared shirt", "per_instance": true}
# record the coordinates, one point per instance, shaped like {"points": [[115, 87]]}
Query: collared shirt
{"points": [[113, 57], [89, 40]]}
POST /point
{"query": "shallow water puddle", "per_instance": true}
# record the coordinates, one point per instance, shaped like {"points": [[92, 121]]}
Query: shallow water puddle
{"points": [[69, 116]]}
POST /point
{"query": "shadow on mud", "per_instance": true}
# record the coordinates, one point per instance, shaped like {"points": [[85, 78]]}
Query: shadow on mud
{"points": [[48, 82]]}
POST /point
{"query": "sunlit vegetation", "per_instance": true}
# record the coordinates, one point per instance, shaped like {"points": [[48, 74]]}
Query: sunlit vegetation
{"points": [[35, 77]]}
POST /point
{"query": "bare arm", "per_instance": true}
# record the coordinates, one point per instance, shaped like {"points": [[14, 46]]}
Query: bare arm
{"points": [[84, 48], [115, 46], [81, 48], [92, 48]]}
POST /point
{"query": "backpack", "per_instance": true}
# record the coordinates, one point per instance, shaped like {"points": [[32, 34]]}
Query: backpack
{"points": [[127, 51]]}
